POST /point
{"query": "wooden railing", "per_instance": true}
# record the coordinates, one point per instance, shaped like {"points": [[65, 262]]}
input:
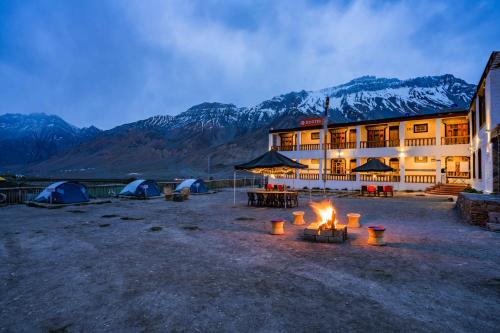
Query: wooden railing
{"points": [[379, 144], [454, 140], [380, 178], [457, 174], [284, 148], [310, 146], [342, 177], [420, 142], [309, 176], [427, 179], [286, 176], [344, 145]]}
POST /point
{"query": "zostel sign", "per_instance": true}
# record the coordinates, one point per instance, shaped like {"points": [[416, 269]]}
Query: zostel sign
{"points": [[306, 122]]}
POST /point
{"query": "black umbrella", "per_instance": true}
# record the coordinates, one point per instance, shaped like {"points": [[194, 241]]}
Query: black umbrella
{"points": [[271, 162], [373, 165]]}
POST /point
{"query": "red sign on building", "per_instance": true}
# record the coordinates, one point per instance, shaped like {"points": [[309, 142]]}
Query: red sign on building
{"points": [[306, 122]]}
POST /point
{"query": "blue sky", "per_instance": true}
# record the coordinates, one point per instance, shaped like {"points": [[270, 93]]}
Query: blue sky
{"points": [[106, 62]]}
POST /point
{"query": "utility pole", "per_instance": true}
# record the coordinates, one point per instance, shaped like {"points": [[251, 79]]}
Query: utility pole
{"points": [[325, 129]]}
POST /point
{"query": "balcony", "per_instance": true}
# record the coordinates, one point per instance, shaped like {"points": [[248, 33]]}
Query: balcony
{"points": [[284, 148], [380, 178], [340, 177], [309, 176], [420, 142], [455, 140], [310, 146], [343, 145], [380, 144], [420, 179]]}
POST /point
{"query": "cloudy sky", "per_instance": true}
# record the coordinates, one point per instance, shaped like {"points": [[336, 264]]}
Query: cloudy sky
{"points": [[106, 62]]}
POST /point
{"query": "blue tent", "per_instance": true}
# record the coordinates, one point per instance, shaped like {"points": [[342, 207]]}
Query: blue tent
{"points": [[194, 185], [64, 193], [141, 188]]}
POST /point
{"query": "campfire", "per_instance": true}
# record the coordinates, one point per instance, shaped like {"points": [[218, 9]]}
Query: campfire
{"points": [[326, 229]]}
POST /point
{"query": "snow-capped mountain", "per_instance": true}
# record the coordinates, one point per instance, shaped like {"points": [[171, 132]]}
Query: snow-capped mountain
{"points": [[35, 137], [178, 145]]}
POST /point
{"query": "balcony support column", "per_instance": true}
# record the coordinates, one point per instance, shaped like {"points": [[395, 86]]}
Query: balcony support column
{"points": [[298, 134], [402, 135], [320, 171], [270, 141], [438, 133], [358, 140], [438, 168], [402, 170]]}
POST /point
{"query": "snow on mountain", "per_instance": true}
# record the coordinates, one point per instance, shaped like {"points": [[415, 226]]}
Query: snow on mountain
{"points": [[228, 132]]}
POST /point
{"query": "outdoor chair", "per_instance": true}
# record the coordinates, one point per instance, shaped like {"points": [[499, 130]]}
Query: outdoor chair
{"points": [[260, 199], [388, 189], [251, 199], [280, 188], [364, 190], [380, 190], [269, 187], [371, 190]]}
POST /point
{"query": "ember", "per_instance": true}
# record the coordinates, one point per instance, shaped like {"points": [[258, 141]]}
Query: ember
{"points": [[326, 229]]}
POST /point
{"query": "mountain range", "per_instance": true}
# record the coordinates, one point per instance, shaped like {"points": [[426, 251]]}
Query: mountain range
{"points": [[167, 146]]}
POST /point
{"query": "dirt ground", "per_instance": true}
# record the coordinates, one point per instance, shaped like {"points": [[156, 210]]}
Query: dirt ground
{"points": [[213, 267]]}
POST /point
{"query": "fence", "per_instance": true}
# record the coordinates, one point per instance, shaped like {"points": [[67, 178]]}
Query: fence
{"points": [[17, 195]]}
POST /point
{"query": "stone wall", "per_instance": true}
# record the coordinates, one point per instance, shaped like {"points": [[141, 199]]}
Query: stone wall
{"points": [[474, 208]]}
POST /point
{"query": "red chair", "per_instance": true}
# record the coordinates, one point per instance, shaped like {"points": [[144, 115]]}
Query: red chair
{"points": [[280, 188], [270, 187], [372, 190], [388, 189]]}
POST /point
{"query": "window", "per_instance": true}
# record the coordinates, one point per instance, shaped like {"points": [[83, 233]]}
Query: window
{"points": [[315, 136], [420, 128], [474, 165], [421, 159], [479, 165], [482, 110], [394, 164], [338, 166], [315, 161], [473, 121], [338, 138], [352, 164]]}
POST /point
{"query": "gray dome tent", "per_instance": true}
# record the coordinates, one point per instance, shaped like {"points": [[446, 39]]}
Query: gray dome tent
{"points": [[63, 193], [194, 185], [141, 188]]}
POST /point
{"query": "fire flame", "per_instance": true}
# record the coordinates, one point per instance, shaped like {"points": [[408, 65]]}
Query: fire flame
{"points": [[325, 213]]}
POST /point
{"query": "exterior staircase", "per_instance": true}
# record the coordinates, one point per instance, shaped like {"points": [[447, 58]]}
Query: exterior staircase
{"points": [[445, 189]]}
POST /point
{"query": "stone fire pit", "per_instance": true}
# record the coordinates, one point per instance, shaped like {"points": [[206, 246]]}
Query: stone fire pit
{"points": [[327, 229]]}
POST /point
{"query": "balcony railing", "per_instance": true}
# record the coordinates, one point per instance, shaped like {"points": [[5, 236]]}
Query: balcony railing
{"points": [[341, 177], [286, 176], [380, 144], [457, 174], [310, 146], [380, 178], [454, 140], [427, 179], [420, 142], [343, 145], [284, 148], [309, 176]]}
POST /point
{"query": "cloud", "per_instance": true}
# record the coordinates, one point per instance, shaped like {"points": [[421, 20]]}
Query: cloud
{"points": [[108, 62]]}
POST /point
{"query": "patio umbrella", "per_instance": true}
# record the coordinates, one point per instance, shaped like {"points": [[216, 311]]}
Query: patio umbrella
{"points": [[269, 163], [373, 165]]}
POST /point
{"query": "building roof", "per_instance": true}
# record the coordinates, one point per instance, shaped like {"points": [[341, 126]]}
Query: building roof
{"points": [[493, 63], [443, 114]]}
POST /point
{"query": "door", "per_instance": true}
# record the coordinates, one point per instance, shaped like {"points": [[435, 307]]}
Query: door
{"points": [[376, 138], [393, 136], [352, 138]]}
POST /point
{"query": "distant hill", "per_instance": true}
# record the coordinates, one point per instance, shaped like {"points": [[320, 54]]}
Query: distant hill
{"points": [[179, 146]]}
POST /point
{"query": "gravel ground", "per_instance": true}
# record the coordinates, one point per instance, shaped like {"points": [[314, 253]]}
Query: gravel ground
{"points": [[213, 267]]}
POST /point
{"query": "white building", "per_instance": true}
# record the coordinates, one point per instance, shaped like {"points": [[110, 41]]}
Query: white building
{"points": [[484, 124], [423, 150]]}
